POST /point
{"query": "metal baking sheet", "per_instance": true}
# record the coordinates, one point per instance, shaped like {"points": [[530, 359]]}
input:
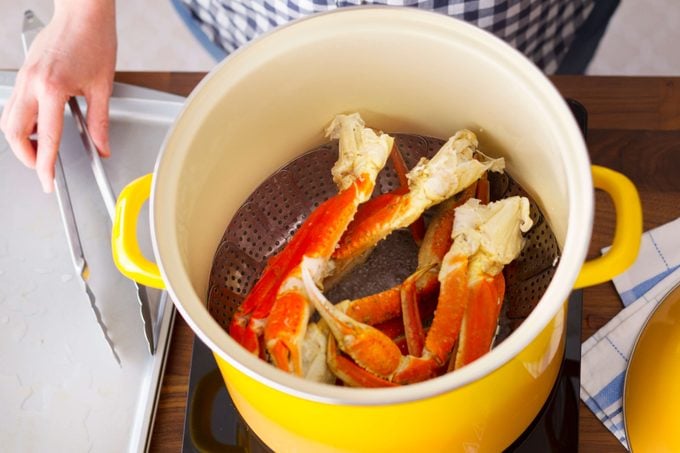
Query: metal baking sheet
{"points": [[60, 388]]}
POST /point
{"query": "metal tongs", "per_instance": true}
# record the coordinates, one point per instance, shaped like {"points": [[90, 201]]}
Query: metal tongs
{"points": [[110, 202], [31, 26]]}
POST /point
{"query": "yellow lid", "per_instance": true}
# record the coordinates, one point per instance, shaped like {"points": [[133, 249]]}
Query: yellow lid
{"points": [[651, 398]]}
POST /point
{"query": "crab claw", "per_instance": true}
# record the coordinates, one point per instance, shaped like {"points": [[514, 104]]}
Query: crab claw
{"points": [[369, 347], [379, 359], [349, 372]]}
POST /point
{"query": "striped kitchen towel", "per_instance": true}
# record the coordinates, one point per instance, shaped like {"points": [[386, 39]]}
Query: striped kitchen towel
{"points": [[659, 256], [604, 356]]}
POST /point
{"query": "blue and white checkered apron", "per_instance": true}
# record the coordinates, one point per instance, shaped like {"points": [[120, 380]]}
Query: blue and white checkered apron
{"points": [[541, 29]]}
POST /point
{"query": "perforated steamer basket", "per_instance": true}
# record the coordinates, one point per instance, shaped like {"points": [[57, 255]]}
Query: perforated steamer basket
{"points": [[404, 71]]}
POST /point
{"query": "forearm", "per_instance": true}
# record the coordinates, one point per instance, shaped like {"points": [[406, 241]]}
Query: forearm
{"points": [[88, 17], [94, 9]]}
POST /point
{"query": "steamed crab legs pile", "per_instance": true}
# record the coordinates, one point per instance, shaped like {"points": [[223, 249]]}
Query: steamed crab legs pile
{"points": [[460, 261]]}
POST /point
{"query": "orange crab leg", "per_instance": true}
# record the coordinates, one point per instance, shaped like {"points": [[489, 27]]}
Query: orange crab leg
{"points": [[453, 294], [418, 227], [362, 154], [481, 319], [248, 322], [349, 372], [481, 316], [435, 245], [373, 354], [376, 308], [288, 317], [414, 370], [439, 342], [259, 301], [362, 236], [367, 344], [413, 326], [453, 297], [485, 281]]}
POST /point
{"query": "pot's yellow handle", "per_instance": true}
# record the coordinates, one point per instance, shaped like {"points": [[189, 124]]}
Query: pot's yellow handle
{"points": [[627, 234], [126, 252]]}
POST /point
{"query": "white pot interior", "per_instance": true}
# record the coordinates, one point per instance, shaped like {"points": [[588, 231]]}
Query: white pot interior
{"points": [[404, 71]]}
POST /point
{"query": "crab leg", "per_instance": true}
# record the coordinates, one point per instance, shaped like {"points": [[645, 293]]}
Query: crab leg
{"points": [[349, 372], [363, 153], [418, 227], [480, 319], [248, 321], [413, 326], [486, 238], [437, 243], [287, 321], [369, 347]]}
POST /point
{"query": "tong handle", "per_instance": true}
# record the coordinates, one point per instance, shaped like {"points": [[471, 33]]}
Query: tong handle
{"points": [[95, 161], [69, 219]]}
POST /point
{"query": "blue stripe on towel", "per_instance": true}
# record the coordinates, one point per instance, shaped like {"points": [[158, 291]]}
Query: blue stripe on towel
{"points": [[637, 291], [618, 427], [611, 392]]}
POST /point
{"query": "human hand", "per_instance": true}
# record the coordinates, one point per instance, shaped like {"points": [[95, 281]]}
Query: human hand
{"points": [[74, 54]]}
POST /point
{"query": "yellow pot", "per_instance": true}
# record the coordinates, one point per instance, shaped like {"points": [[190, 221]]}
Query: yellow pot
{"points": [[405, 71]]}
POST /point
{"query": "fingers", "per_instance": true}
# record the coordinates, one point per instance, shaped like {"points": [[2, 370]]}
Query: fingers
{"points": [[17, 123], [23, 112], [50, 125], [98, 119]]}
